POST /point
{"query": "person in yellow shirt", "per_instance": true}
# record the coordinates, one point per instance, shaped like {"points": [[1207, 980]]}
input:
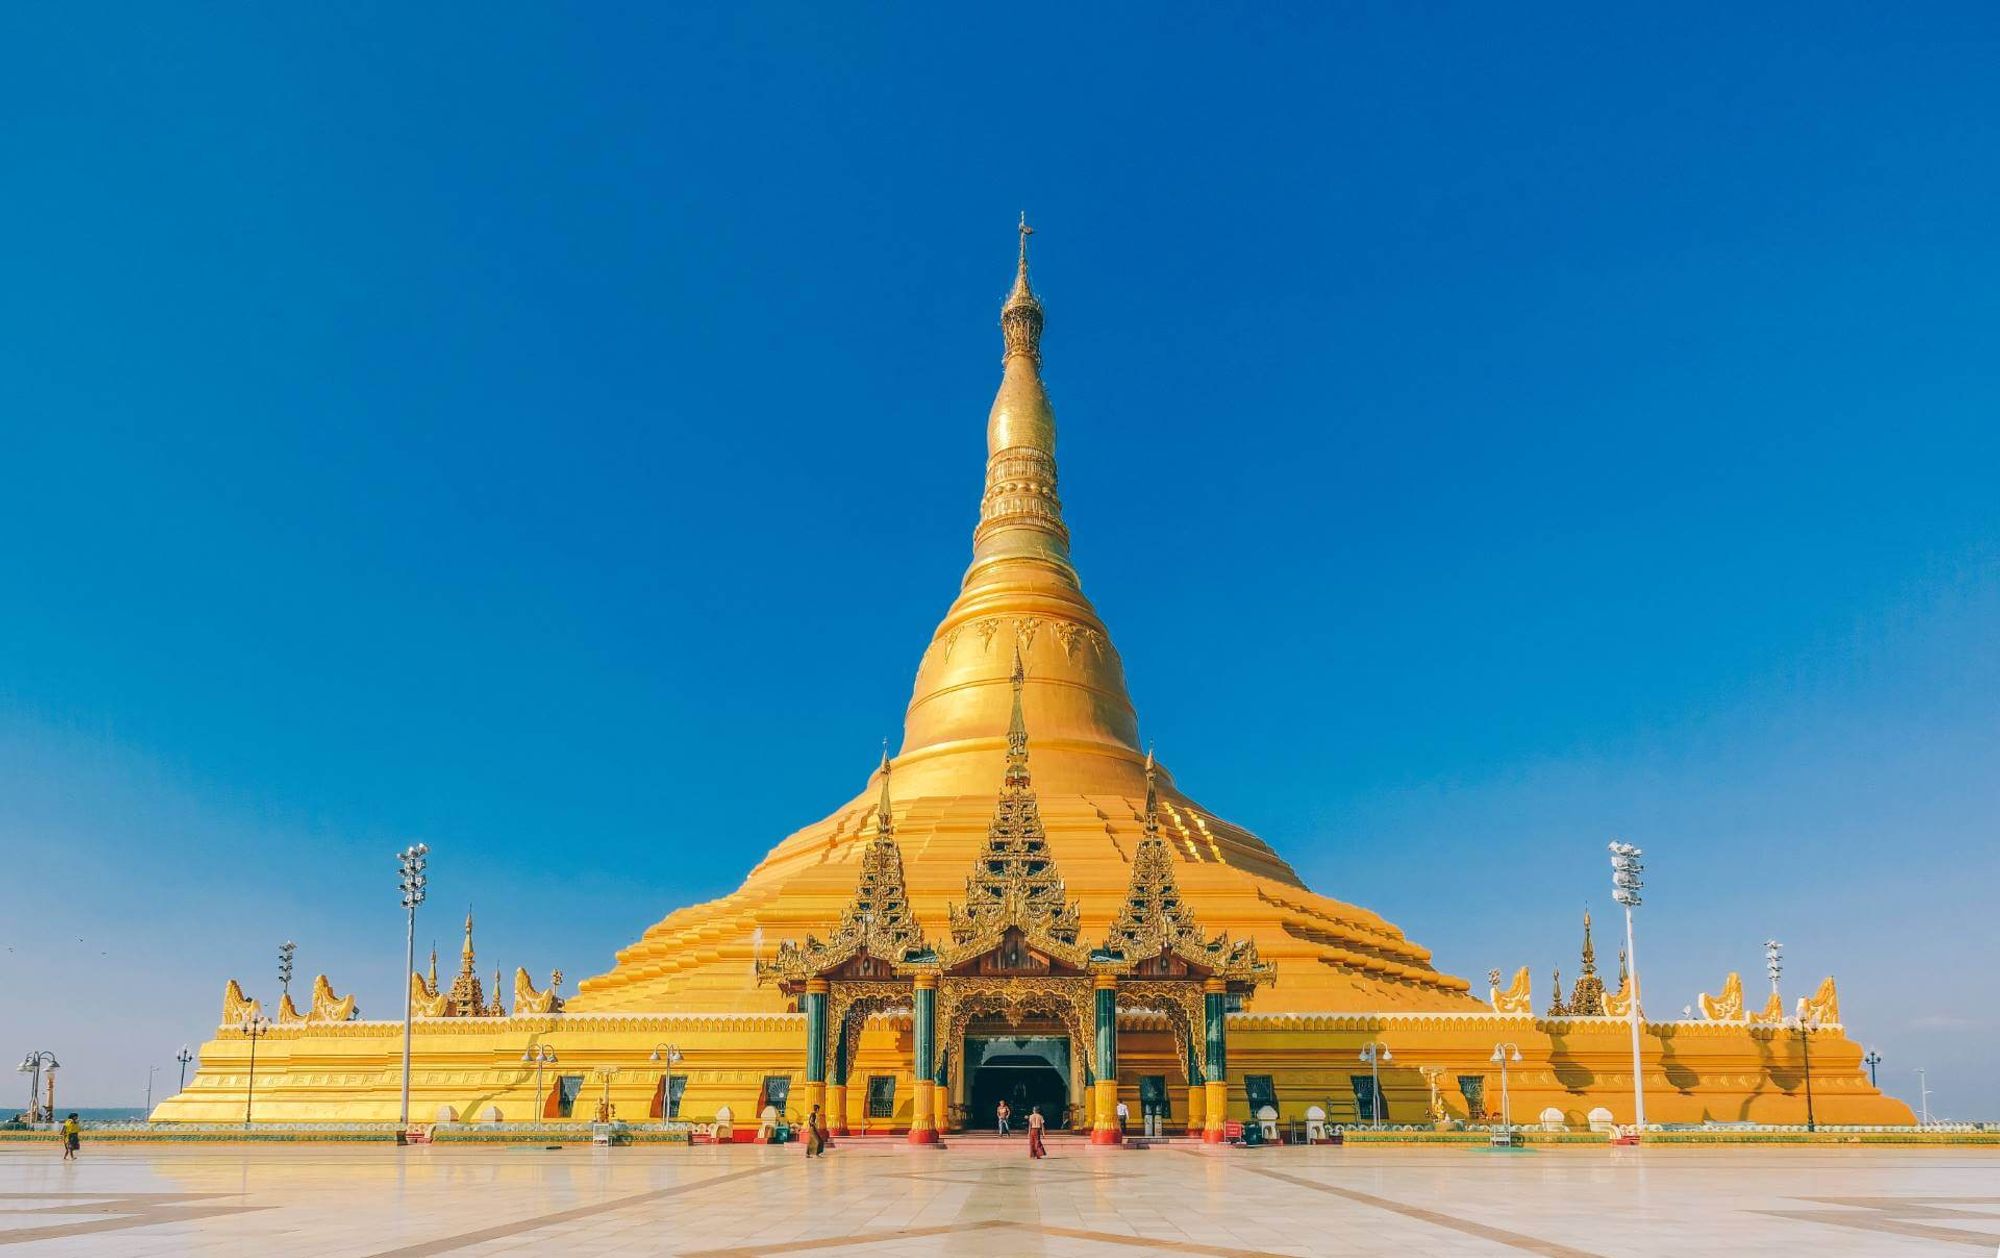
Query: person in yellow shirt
{"points": [[72, 1137]]}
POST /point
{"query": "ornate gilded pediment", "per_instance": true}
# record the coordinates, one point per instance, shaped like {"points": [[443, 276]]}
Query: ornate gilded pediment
{"points": [[1155, 926], [236, 1006], [527, 1000], [1014, 884], [327, 1007], [1823, 1004], [877, 923], [1518, 998], [1728, 1007]]}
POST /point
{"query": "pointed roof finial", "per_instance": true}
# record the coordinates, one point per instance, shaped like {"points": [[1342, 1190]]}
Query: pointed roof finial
{"points": [[1017, 727], [1152, 796], [1021, 313], [466, 952], [884, 822]]}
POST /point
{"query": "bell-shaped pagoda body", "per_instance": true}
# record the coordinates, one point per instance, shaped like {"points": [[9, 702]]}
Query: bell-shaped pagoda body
{"points": [[1021, 599]]}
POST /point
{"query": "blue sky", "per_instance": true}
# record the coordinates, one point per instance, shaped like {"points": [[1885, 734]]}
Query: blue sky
{"points": [[522, 428]]}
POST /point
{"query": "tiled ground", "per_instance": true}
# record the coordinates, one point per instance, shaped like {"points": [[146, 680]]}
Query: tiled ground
{"points": [[982, 1197]]}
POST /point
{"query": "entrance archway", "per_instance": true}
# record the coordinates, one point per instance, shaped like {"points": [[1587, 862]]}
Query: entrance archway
{"points": [[1025, 1071]]}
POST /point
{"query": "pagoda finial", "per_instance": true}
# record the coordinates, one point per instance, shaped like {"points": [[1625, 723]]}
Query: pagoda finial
{"points": [[465, 953], [1152, 796], [1017, 728], [1021, 313], [1589, 951], [434, 967], [885, 825]]}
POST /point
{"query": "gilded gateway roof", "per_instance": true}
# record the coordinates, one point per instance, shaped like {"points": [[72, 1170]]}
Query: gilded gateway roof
{"points": [[1022, 599]]}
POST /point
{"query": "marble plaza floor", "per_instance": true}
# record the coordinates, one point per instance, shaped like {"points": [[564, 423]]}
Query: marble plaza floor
{"points": [[982, 1196]]}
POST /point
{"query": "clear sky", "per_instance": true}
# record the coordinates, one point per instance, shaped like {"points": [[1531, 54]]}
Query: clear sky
{"points": [[553, 433]]}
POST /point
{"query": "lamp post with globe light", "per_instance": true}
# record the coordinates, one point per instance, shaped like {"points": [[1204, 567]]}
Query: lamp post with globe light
{"points": [[184, 1057], [254, 1027], [1375, 1052], [32, 1066], [1504, 1053], [670, 1055], [1625, 885], [413, 860], [1872, 1060], [541, 1055], [1805, 1027]]}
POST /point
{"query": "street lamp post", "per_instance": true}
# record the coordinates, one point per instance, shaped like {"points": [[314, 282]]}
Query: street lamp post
{"points": [[1923, 1097], [1873, 1059], [184, 1057], [1805, 1027], [254, 1027], [32, 1066], [150, 1072], [541, 1055], [1504, 1053], [1625, 885], [413, 860], [671, 1055], [285, 951], [1375, 1052]]}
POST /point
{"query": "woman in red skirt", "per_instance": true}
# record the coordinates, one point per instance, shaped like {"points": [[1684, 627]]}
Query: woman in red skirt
{"points": [[1035, 1124]]}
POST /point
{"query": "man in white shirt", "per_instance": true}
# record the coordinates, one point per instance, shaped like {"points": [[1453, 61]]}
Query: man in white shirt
{"points": [[1123, 1114]]}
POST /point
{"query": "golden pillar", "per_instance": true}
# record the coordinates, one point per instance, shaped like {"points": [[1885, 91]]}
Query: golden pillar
{"points": [[923, 1038], [1197, 1096], [836, 1109]]}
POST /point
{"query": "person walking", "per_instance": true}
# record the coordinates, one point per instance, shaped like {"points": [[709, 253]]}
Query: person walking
{"points": [[815, 1134], [1035, 1124], [1004, 1113], [72, 1137], [1124, 1116]]}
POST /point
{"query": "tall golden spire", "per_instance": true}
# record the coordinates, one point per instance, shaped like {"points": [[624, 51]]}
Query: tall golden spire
{"points": [[1020, 517], [465, 953]]}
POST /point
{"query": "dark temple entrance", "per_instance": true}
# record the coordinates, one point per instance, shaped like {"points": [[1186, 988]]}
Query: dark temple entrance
{"points": [[1025, 1072]]}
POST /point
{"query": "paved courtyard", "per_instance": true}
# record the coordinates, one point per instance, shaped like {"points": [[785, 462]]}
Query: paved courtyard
{"points": [[983, 1197]]}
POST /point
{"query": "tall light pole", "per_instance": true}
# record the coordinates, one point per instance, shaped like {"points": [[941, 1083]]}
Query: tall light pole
{"points": [[184, 1057], [1504, 1053], [541, 1055], [1375, 1052], [1923, 1097], [285, 951], [1774, 962], [1805, 1027], [413, 861], [32, 1066], [1872, 1060], [253, 1027], [1625, 884], [150, 1072]]}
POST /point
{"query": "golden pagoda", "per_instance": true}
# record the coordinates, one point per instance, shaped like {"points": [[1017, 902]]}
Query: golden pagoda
{"points": [[1037, 912]]}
